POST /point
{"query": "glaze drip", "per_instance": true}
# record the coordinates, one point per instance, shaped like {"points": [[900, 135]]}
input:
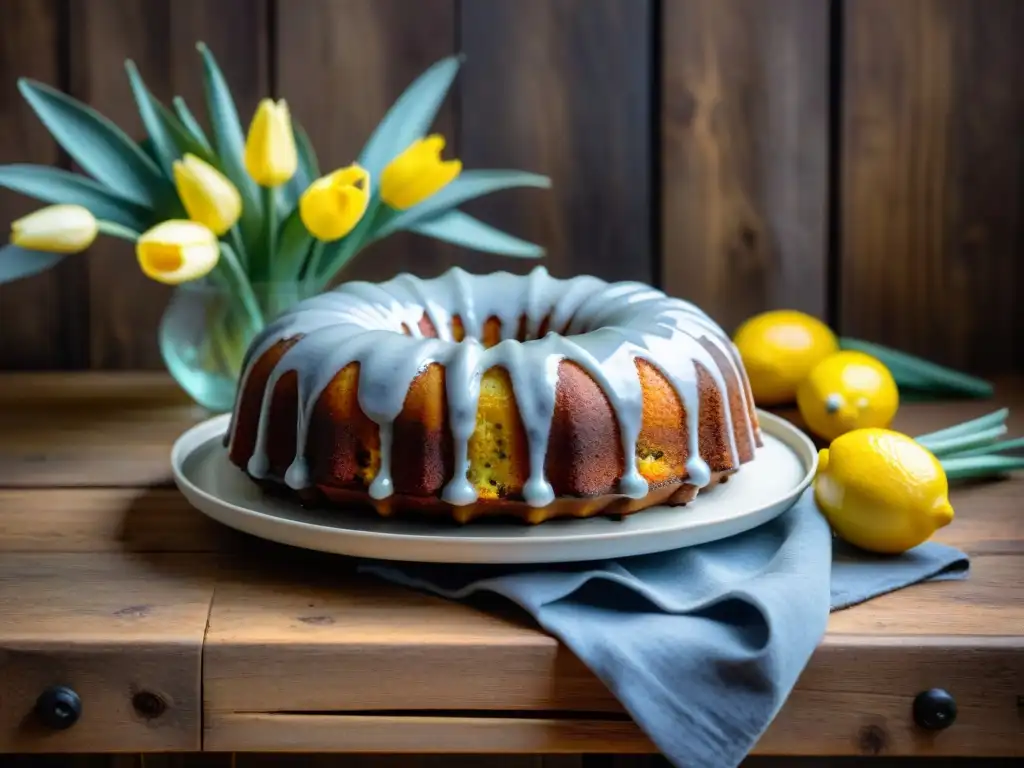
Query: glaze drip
{"points": [[601, 327]]}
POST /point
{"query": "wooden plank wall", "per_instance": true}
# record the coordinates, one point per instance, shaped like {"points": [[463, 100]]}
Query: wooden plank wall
{"points": [[857, 159]]}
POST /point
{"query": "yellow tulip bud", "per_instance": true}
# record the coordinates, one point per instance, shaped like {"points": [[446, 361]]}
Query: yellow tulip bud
{"points": [[417, 173], [55, 228], [177, 251], [335, 203], [207, 194], [270, 155]]}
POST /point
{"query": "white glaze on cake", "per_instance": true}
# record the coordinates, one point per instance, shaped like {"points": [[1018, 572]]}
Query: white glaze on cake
{"points": [[606, 326]]}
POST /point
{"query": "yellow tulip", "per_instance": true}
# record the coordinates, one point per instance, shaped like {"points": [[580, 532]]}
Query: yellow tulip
{"points": [[55, 228], [177, 251], [270, 155], [335, 203], [207, 194], [417, 173]]}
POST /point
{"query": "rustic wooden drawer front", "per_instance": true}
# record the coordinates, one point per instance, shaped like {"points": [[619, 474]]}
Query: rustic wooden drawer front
{"points": [[298, 655], [122, 633]]}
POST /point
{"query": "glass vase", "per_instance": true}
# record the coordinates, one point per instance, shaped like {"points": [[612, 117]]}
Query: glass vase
{"points": [[206, 329]]}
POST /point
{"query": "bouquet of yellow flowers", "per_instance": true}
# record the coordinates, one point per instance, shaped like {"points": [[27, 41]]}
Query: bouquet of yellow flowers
{"points": [[243, 211]]}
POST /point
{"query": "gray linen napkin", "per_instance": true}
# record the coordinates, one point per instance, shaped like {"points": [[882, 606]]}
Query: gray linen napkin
{"points": [[701, 645]]}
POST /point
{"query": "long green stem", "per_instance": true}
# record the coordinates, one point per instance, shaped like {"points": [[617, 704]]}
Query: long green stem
{"points": [[350, 245], [312, 266], [236, 240], [117, 230], [269, 249], [242, 285]]}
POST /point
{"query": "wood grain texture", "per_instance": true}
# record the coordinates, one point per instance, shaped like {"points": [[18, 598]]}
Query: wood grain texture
{"points": [[88, 429], [134, 625], [351, 646], [305, 760], [33, 332], [405, 734], [341, 66], [105, 520], [125, 307], [111, 588], [563, 88], [744, 149], [931, 182]]}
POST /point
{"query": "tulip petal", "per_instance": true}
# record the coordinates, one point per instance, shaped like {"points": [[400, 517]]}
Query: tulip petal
{"points": [[209, 197], [177, 251], [56, 228], [271, 158], [410, 116]]}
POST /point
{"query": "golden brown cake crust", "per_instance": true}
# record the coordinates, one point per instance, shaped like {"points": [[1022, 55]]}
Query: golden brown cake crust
{"points": [[584, 458]]}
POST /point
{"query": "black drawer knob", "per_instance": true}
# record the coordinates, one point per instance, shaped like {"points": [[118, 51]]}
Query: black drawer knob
{"points": [[58, 707], [934, 709]]}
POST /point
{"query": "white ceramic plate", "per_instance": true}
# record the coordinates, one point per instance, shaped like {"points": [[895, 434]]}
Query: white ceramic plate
{"points": [[762, 490]]}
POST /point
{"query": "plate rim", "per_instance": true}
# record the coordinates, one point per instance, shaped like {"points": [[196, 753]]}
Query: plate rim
{"points": [[198, 436]]}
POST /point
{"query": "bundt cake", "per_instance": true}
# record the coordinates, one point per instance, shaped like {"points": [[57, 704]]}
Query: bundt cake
{"points": [[483, 395]]}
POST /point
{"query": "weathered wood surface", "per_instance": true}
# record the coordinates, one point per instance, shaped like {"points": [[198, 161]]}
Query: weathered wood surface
{"points": [[29, 46], [564, 89], [110, 582], [931, 188], [341, 66], [744, 155]]}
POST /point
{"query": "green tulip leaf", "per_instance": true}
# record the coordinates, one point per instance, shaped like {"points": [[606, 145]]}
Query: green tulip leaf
{"points": [[462, 229], [308, 170], [183, 138], [190, 123], [229, 142], [409, 117], [469, 185], [102, 149], [55, 185], [146, 145], [912, 371], [293, 244], [16, 262], [164, 146]]}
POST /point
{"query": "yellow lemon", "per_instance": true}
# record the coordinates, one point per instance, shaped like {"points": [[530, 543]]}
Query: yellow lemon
{"points": [[881, 490], [845, 391], [779, 348]]}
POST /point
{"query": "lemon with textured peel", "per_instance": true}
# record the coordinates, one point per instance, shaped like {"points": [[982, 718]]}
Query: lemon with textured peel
{"points": [[779, 348], [881, 490], [847, 391]]}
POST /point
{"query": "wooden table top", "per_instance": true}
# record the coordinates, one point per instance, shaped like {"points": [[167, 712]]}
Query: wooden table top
{"points": [[180, 634]]}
